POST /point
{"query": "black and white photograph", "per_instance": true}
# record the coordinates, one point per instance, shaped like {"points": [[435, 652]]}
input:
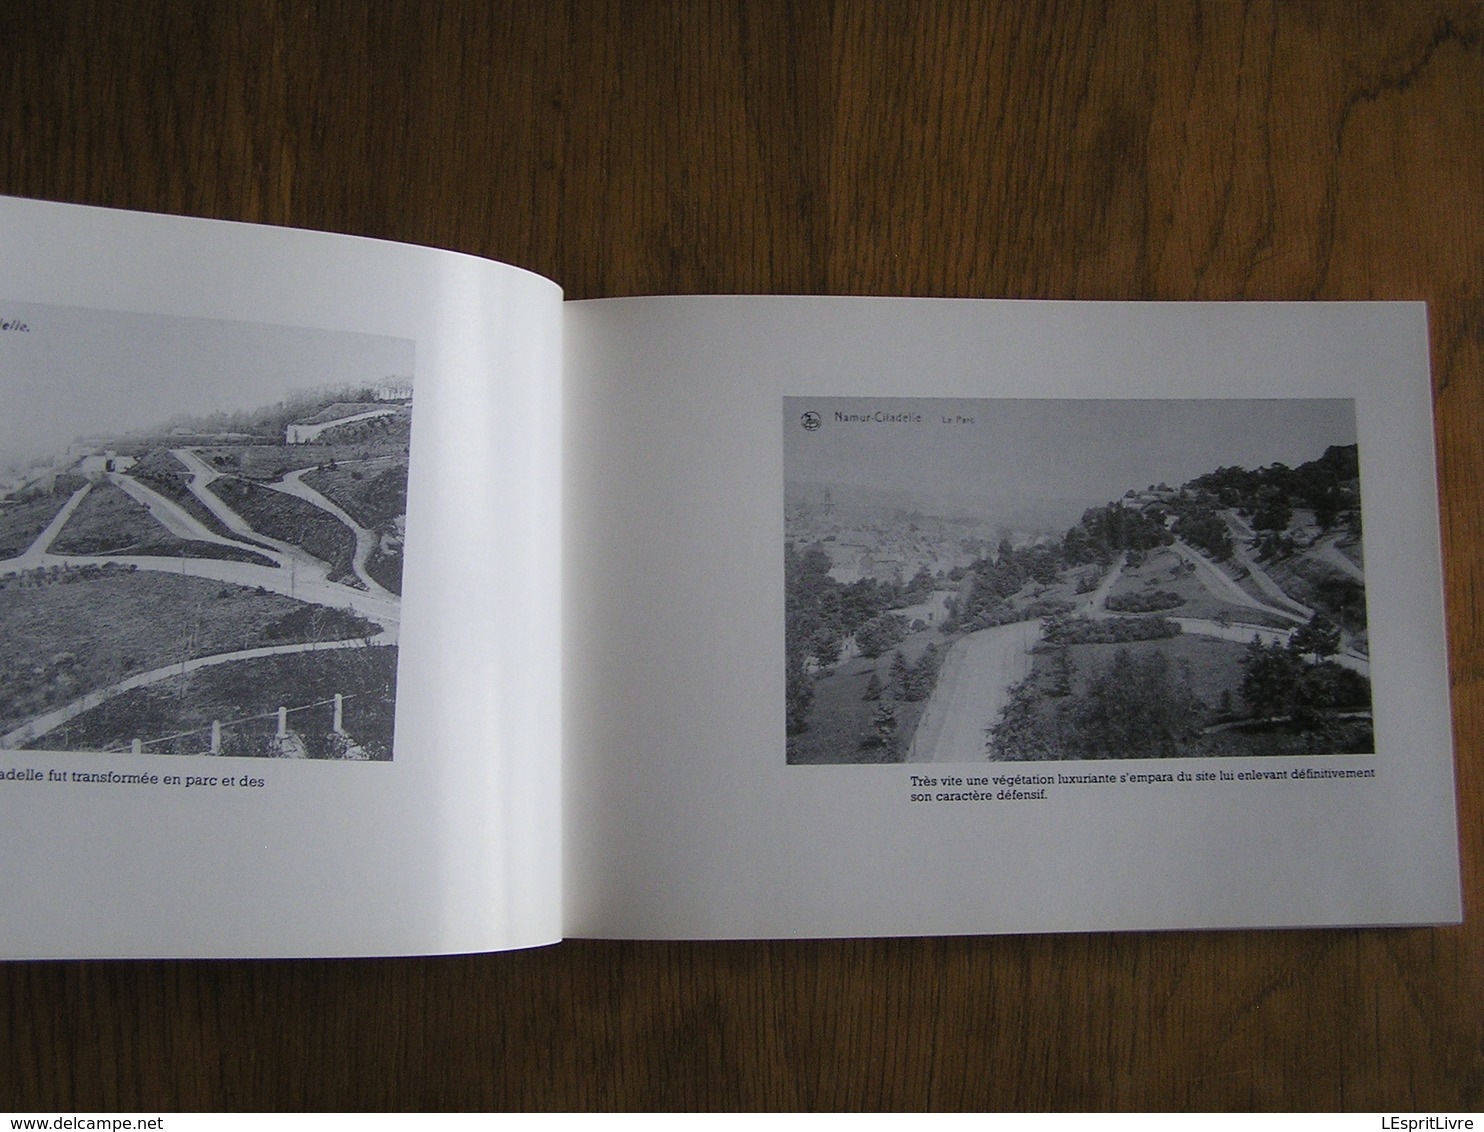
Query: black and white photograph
{"points": [[201, 535], [1068, 580]]}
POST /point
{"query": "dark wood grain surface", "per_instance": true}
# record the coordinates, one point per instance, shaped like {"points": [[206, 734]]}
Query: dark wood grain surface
{"points": [[1074, 150]]}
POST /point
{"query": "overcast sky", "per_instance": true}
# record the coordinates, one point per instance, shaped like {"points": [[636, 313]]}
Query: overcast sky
{"points": [[79, 372], [1060, 449]]}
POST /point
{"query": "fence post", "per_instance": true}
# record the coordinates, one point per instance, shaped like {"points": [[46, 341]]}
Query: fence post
{"points": [[136, 747], [283, 723], [339, 728], [216, 737]]}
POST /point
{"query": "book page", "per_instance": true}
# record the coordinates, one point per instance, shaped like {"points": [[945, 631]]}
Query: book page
{"points": [[278, 592], [898, 617]]}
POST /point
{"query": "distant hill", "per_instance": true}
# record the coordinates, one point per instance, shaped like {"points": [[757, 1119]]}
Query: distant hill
{"points": [[265, 423], [852, 503]]}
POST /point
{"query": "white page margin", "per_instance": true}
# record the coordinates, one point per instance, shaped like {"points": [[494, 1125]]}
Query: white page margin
{"points": [[452, 846], [683, 820]]}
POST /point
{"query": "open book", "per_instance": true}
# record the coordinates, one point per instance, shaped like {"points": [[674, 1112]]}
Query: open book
{"points": [[358, 598]]}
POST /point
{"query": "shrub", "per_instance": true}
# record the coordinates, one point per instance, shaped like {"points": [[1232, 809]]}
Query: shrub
{"points": [[1144, 603]]}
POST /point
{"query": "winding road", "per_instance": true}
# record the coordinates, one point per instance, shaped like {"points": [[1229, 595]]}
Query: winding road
{"points": [[1334, 556], [1224, 586], [981, 669], [176, 519], [202, 476], [297, 575], [973, 687], [35, 556], [367, 541], [35, 728], [1277, 601], [1095, 604]]}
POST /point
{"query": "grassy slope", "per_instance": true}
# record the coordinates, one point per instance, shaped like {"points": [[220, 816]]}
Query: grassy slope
{"points": [[841, 716], [1163, 570], [1214, 666], [64, 639], [161, 471], [245, 696], [371, 494], [21, 522], [269, 462], [374, 495], [110, 522], [1304, 576], [291, 519]]}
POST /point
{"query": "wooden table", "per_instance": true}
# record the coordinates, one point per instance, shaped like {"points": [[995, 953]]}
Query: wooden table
{"points": [[1077, 150]]}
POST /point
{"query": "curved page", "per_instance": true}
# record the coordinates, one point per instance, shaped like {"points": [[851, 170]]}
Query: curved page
{"points": [[278, 594]]}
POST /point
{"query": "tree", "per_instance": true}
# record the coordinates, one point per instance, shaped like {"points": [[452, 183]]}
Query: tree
{"points": [[1268, 672], [880, 633], [921, 677], [1061, 673], [1268, 546], [921, 586], [1279, 684], [825, 644], [798, 694], [1024, 732], [1137, 708], [1320, 636], [812, 631], [884, 730], [1043, 565], [900, 675], [1203, 528], [1273, 513], [1326, 504], [1345, 598]]}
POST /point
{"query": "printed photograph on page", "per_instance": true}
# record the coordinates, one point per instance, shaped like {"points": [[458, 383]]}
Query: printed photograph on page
{"points": [[1023, 580], [201, 528]]}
